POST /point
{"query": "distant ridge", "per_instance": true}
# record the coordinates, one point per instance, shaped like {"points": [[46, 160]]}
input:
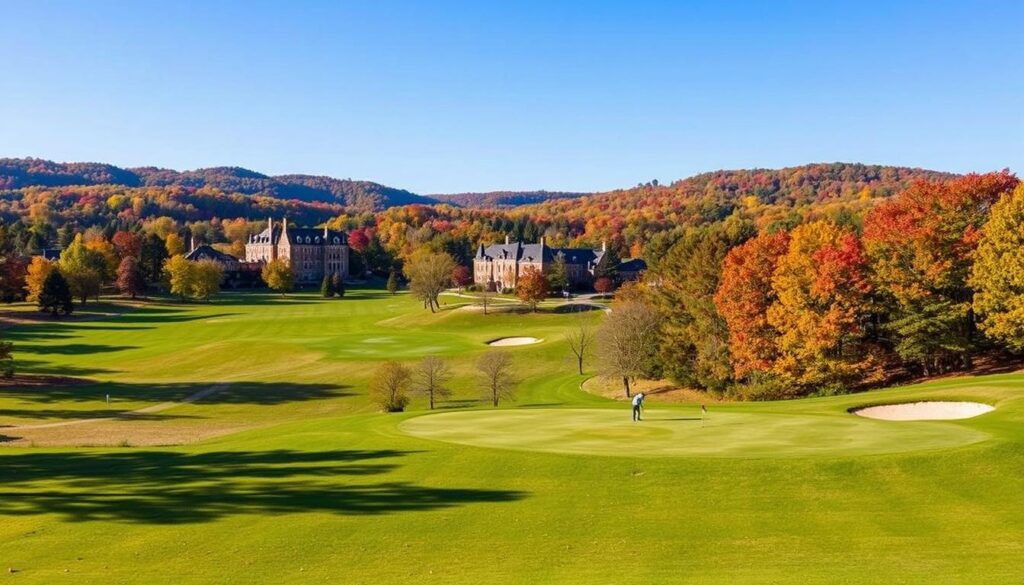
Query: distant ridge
{"points": [[717, 192], [16, 173], [504, 198]]}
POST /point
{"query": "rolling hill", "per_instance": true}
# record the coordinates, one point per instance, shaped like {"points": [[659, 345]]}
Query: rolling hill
{"points": [[16, 173]]}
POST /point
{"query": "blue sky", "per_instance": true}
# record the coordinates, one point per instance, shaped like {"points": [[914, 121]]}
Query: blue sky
{"points": [[472, 96]]}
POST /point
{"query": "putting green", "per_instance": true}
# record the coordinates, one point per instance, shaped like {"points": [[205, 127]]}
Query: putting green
{"points": [[676, 434]]}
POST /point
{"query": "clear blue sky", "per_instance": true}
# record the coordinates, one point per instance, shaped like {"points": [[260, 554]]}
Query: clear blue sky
{"points": [[469, 96]]}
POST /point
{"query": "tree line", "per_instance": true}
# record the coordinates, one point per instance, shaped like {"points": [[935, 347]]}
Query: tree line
{"points": [[919, 284]]}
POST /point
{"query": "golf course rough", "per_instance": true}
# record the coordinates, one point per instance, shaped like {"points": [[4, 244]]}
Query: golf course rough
{"points": [[675, 433]]}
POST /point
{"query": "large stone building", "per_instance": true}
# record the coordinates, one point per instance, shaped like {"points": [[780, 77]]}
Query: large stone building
{"points": [[313, 253], [502, 264]]}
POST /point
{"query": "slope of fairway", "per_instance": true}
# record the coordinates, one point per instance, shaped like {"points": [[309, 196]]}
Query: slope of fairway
{"points": [[287, 474], [672, 433]]}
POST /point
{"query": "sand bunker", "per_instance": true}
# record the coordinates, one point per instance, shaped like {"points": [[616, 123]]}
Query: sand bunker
{"points": [[507, 341], [925, 411]]}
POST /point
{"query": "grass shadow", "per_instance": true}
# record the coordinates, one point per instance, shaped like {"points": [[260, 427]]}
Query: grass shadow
{"points": [[72, 348], [165, 487], [265, 393], [70, 414]]}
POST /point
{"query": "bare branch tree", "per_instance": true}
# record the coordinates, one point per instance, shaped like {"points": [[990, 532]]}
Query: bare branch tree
{"points": [[429, 274], [388, 386], [580, 338], [431, 377], [485, 297], [496, 375], [627, 341]]}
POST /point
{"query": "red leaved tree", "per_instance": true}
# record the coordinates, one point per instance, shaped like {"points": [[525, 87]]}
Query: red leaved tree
{"points": [[532, 287], [743, 298], [461, 277]]}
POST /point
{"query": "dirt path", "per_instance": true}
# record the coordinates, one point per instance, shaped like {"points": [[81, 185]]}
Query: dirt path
{"points": [[128, 414]]}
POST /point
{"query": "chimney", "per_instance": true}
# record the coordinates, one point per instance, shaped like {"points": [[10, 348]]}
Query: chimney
{"points": [[604, 246], [506, 240], [284, 228], [325, 232], [191, 243], [542, 241]]}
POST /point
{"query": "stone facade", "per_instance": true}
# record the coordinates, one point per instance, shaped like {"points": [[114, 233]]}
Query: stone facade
{"points": [[312, 253], [501, 264]]}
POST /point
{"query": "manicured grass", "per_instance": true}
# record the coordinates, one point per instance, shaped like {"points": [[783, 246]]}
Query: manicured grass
{"points": [[303, 483], [682, 434]]}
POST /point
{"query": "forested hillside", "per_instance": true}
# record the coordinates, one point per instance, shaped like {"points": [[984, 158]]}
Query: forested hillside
{"points": [[497, 199], [766, 283], [356, 195]]}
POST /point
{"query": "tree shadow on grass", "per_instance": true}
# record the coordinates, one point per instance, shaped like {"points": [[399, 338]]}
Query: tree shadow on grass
{"points": [[47, 368], [459, 403], [72, 348], [257, 299], [70, 414], [575, 308], [168, 317], [266, 393], [163, 487]]}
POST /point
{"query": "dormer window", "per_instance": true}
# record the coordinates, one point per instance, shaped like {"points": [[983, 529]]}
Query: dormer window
{"points": [[317, 239], [336, 240]]}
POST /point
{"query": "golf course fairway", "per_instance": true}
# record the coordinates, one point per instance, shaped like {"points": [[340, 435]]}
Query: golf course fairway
{"points": [[239, 446], [677, 433]]}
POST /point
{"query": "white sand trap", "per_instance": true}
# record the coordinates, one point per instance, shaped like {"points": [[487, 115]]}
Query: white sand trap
{"points": [[507, 341], [925, 410]]}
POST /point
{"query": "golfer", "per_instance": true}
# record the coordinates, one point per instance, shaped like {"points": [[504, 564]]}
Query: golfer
{"points": [[638, 403]]}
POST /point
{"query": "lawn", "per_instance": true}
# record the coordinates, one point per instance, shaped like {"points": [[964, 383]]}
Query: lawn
{"points": [[285, 474]]}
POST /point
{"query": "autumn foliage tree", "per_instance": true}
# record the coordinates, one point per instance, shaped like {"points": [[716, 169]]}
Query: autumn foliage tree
{"points": [[604, 284], [181, 275], [997, 275], [461, 277], [532, 287], [36, 275], [82, 268], [127, 244], [208, 275], [694, 344], [743, 297], [821, 298], [278, 275], [921, 246], [130, 280], [13, 270]]}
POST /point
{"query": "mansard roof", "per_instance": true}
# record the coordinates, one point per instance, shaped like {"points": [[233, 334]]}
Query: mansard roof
{"points": [[299, 235], [633, 265], [538, 253], [205, 252]]}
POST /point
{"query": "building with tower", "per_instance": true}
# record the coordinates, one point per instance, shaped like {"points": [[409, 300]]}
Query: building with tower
{"points": [[312, 252]]}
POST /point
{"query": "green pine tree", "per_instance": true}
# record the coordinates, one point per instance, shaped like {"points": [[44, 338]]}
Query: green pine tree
{"points": [[55, 296], [327, 287], [338, 285]]}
